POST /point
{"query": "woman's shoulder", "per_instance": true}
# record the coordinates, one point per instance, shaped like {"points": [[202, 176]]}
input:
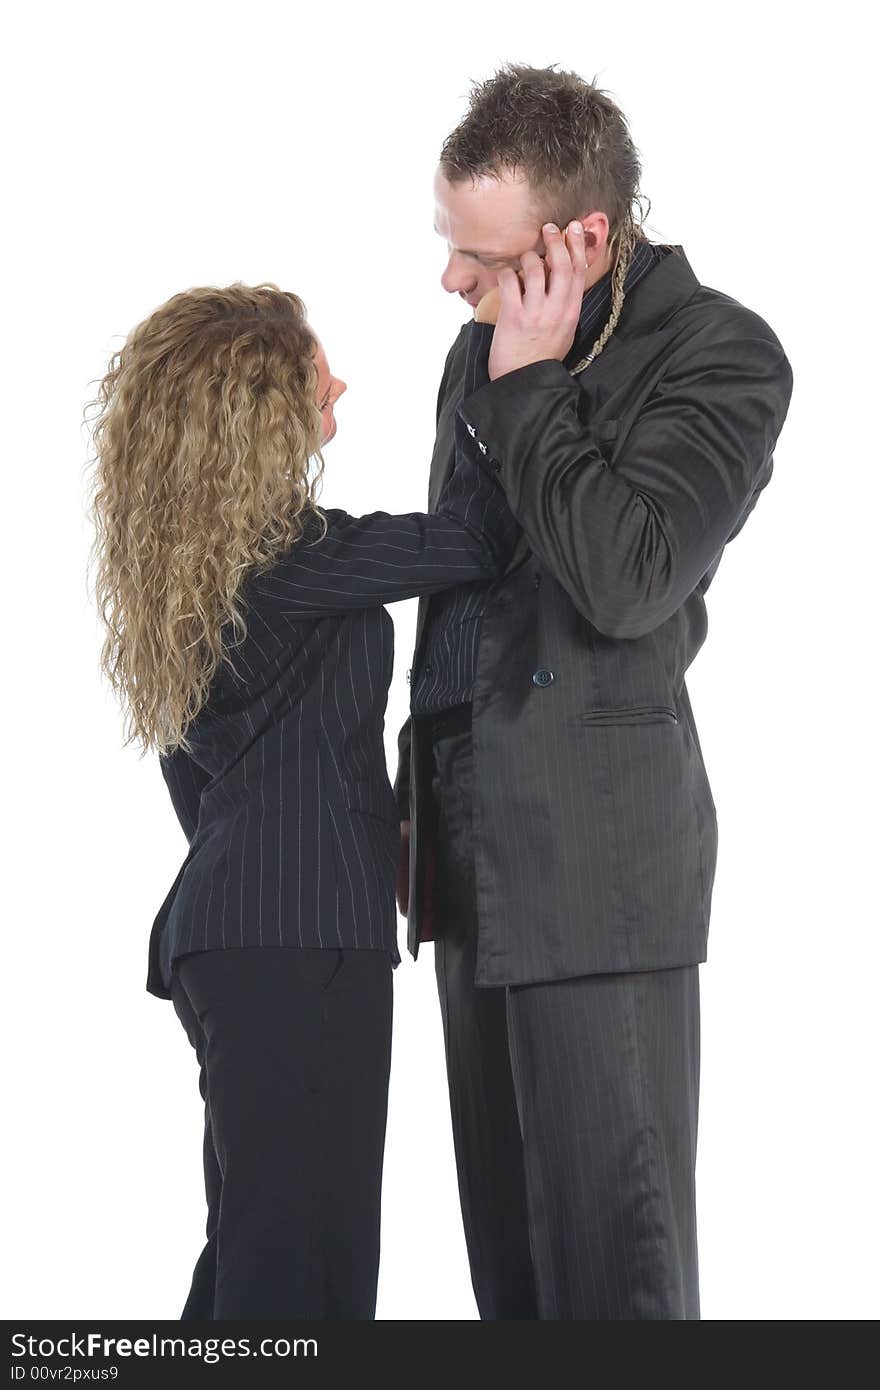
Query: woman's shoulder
{"points": [[322, 521]]}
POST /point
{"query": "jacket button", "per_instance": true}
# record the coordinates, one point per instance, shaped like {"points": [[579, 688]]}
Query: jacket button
{"points": [[543, 677]]}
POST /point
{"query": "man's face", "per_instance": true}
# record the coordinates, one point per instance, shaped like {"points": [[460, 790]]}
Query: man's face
{"points": [[486, 225]]}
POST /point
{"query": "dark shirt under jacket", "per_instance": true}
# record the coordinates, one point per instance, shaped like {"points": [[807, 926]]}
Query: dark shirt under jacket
{"points": [[285, 796], [452, 628]]}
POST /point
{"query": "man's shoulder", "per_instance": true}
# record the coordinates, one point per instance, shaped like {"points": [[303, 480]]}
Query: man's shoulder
{"points": [[710, 314], [460, 342], [713, 329], [454, 366]]}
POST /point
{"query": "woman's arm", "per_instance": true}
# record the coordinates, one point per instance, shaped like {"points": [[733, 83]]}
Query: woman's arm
{"points": [[379, 558]]}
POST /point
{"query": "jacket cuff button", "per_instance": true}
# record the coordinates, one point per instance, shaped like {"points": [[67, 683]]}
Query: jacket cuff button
{"points": [[543, 677]]}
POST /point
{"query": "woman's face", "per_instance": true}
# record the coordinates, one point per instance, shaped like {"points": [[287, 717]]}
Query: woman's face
{"points": [[329, 389]]}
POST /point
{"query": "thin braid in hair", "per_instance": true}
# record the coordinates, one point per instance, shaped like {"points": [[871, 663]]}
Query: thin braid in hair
{"points": [[621, 265]]}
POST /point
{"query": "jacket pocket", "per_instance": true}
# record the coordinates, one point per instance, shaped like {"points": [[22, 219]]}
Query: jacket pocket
{"points": [[630, 714]]}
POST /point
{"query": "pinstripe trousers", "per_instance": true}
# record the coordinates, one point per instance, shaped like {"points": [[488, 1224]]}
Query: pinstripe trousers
{"points": [[574, 1110]]}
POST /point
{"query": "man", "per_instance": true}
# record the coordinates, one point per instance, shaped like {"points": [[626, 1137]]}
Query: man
{"points": [[563, 833]]}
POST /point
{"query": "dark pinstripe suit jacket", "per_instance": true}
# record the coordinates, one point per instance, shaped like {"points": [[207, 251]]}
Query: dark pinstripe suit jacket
{"points": [[285, 797], [595, 830]]}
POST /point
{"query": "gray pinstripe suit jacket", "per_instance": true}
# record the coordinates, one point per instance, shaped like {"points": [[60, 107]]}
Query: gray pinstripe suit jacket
{"points": [[284, 795], [595, 830]]}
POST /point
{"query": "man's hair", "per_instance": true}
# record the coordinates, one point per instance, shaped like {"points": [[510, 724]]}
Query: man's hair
{"points": [[572, 143]]}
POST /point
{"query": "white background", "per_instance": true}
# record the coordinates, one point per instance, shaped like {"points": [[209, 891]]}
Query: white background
{"points": [[152, 148]]}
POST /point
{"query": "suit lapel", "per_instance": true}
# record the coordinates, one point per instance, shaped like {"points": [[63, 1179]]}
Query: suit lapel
{"points": [[443, 456]]}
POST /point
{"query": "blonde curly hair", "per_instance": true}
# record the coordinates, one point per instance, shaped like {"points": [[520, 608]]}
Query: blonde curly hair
{"points": [[206, 421]]}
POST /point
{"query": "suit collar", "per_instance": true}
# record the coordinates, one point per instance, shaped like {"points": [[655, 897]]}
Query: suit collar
{"points": [[658, 295]]}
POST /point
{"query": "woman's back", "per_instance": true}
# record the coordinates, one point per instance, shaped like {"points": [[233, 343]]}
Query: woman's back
{"points": [[285, 796], [296, 829]]}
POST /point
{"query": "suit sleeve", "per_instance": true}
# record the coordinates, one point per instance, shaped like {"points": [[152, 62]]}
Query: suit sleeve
{"points": [[629, 543], [379, 558], [185, 780]]}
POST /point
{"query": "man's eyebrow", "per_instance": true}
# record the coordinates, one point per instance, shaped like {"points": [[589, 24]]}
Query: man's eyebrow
{"points": [[488, 255]]}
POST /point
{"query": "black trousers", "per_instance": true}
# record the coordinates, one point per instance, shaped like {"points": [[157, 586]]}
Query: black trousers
{"points": [[294, 1052], [574, 1110]]}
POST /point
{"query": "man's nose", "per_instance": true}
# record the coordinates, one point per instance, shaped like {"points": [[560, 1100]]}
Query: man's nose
{"points": [[458, 276]]}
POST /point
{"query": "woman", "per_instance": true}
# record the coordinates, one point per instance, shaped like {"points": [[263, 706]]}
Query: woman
{"points": [[247, 639]]}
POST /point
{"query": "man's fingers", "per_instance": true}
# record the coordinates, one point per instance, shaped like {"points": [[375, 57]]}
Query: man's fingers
{"points": [[562, 271], [558, 256], [533, 274], [577, 248], [510, 288]]}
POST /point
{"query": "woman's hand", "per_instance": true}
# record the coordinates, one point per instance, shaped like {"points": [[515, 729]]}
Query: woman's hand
{"points": [[403, 869], [538, 321], [487, 308]]}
